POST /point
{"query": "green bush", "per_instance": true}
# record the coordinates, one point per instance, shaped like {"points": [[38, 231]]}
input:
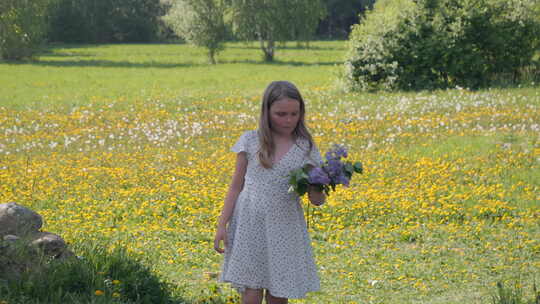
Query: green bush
{"points": [[106, 21], [23, 27], [430, 44]]}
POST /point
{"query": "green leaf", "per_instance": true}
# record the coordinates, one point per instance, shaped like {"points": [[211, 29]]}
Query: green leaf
{"points": [[301, 177], [302, 189], [327, 190], [358, 168], [349, 170], [349, 167]]}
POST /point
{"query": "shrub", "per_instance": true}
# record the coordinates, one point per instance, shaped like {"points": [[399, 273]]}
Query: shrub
{"points": [[23, 27], [432, 44]]}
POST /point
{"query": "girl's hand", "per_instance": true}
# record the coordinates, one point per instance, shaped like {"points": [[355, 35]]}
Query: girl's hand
{"points": [[221, 234], [315, 196]]}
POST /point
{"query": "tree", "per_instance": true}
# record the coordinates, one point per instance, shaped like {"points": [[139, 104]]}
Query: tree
{"points": [[199, 22], [270, 21], [23, 27]]}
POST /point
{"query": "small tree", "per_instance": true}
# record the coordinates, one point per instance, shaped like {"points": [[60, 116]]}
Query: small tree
{"points": [[199, 22], [23, 27], [270, 21]]}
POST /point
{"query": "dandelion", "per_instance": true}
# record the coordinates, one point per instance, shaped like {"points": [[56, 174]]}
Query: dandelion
{"points": [[99, 292]]}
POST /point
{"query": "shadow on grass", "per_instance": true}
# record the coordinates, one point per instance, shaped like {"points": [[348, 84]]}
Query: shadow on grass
{"points": [[97, 276], [160, 65], [66, 55], [107, 64], [279, 62], [292, 47]]}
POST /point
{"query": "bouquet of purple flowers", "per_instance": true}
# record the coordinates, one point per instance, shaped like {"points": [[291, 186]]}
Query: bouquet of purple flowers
{"points": [[332, 172]]}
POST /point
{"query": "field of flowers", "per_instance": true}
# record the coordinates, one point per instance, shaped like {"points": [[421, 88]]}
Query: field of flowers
{"points": [[448, 206]]}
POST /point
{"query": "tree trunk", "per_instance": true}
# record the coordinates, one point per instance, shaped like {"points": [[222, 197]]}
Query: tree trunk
{"points": [[211, 56], [268, 49]]}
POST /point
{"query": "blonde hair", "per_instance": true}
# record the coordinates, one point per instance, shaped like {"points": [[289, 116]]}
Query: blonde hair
{"points": [[275, 91]]}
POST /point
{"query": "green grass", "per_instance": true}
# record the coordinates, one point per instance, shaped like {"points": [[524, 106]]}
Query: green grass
{"points": [[77, 75], [448, 205]]}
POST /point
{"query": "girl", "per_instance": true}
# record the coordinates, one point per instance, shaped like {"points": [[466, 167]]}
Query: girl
{"points": [[267, 246]]}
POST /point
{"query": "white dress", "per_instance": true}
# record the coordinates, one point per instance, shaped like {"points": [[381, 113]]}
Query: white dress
{"points": [[269, 246]]}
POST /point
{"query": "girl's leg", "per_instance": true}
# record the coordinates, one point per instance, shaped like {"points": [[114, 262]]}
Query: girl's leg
{"points": [[252, 296], [270, 299]]}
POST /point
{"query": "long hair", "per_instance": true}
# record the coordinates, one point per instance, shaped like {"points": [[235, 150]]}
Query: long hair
{"points": [[275, 91]]}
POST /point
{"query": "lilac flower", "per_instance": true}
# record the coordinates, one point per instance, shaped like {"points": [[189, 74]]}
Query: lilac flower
{"points": [[340, 152], [318, 176], [342, 179], [334, 168], [336, 153]]}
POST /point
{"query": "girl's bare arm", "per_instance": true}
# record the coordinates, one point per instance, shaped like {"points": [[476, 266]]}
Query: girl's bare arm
{"points": [[235, 188], [232, 195]]}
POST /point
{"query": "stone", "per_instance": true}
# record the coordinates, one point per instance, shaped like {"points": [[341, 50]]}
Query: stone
{"points": [[66, 254], [49, 243], [18, 220], [11, 238], [22, 245]]}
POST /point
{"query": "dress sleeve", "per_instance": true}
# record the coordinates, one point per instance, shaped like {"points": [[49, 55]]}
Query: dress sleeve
{"points": [[242, 144], [314, 158]]}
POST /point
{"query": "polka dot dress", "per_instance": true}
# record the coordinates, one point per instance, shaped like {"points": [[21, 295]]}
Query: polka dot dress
{"points": [[269, 246]]}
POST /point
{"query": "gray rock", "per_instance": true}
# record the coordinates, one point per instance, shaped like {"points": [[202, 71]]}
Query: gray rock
{"points": [[8, 242], [49, 243], [66, 254], [11, 238], [18, 220], [22, 246]]}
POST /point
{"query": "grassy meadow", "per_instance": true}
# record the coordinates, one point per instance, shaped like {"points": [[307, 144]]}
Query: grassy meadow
{"points": [[127, 146]]}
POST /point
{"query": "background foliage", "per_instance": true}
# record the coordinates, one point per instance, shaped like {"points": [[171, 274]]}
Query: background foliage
{"points": [[341, 15], [101, 21], [437, 44], [23, 27], [138, 21]]}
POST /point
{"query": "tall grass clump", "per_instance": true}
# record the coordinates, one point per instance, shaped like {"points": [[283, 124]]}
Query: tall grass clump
{"points": [[506, 295], [96, 275]]}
